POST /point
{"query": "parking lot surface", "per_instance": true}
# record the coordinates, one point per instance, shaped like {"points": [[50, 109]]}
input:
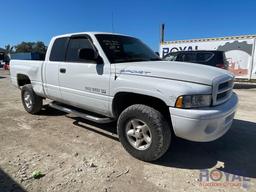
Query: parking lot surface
{"points": [[76, 155]]}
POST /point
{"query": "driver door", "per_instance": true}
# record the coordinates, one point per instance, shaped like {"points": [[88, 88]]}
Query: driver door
{"points": [[84, 83]]}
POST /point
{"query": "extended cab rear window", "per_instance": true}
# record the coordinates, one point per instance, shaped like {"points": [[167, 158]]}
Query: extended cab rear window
{"points": [[59, 49]]}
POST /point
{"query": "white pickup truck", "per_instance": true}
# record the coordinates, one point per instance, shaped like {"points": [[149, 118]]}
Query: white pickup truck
{"points": [[105, 77]]}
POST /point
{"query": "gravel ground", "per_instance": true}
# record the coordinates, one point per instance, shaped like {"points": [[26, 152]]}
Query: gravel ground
{"points": [[76, 155]]}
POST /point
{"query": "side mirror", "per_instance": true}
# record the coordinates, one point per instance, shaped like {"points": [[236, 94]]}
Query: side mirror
{"points": [[88, 54]]}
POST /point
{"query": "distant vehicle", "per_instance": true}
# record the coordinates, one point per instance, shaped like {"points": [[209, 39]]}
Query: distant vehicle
{"points": [[240, 51], [6, 65], [4, 60], [106, 77], [211, 58], [1, 59]]}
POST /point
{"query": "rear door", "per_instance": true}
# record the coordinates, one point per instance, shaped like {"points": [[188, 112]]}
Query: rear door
{"points": [[84, 83], [51, 68]]}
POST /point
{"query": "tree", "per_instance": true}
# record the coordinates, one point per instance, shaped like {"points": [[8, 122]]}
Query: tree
{"points": [[39, 47], [26, 47]]}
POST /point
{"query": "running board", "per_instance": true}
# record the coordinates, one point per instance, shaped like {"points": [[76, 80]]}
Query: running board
{"points": [[80, 114]]}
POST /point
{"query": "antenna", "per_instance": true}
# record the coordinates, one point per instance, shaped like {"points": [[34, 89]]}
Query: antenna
{"points": [[113, 30]]}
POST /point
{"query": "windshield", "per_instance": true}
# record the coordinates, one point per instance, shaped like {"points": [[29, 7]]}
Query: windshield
{"points": [[120, 49]]}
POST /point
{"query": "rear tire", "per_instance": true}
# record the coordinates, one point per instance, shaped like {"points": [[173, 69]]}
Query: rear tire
{"points": [[31, 102], [144, 132]]}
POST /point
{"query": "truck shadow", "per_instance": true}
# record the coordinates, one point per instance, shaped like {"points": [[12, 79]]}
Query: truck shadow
{"points": [[107, 130], [7, 184], [236, 150]]}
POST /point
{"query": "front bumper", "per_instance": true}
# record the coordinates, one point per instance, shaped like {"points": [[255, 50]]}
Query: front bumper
{"points": [[205, 124]]}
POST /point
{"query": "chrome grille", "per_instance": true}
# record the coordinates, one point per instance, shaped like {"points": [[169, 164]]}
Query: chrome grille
{"points": [[222, 89]]}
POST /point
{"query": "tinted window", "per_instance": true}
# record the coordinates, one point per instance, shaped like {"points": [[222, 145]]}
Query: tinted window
{"points": [[216, 59], [171, 57], [180, 57], [1, 56], [220, 57], [59, 49], [190, 57], [74, 46], [204, 57]]}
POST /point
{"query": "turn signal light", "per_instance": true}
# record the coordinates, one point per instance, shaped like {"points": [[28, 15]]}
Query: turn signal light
{"points": [[179, 102]]}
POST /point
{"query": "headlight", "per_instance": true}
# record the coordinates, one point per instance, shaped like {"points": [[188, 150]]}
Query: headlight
{"points": [[193, 101]]}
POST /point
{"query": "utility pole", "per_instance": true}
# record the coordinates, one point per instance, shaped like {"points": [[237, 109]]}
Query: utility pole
{"points": [[162, 33]]}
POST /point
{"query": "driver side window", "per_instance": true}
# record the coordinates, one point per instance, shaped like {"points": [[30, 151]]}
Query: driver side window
{"points": [[74, 46]]}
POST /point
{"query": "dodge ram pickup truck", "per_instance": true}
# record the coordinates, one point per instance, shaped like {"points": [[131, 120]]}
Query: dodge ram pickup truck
{"points": [[106, 77]]}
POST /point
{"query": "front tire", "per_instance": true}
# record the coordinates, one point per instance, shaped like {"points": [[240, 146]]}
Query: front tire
{"points": [[31, 102], [144, 132]]}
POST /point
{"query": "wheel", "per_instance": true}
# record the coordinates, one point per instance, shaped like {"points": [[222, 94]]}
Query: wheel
{"points": [[31, 102], [144, 132]]}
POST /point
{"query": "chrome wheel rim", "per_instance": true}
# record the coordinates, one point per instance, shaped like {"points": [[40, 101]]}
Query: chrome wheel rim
{"points": [[27, 100], [138, 134]]}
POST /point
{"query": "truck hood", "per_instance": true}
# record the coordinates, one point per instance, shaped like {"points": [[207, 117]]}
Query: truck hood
{"points": [[181, 71]]}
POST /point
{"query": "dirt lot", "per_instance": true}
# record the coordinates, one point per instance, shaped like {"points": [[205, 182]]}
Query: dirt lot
{"points": [[76, 155]]}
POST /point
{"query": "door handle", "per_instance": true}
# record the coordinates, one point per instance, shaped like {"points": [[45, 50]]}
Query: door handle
{"points": [[62, 70]]}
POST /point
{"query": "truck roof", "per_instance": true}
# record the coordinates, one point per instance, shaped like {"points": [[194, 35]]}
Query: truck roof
{"points": [[87, 33], [211, 39]]}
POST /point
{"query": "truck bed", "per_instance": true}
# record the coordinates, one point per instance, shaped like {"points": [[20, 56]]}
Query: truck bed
{"points": [[29, 68]]}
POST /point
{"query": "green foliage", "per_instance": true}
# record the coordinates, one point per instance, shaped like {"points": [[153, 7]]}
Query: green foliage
{"points": [[37, 174], [31, 47], [39, 47], [25, 47]]}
